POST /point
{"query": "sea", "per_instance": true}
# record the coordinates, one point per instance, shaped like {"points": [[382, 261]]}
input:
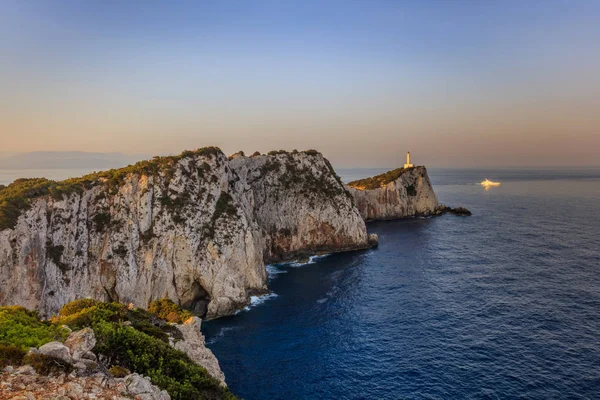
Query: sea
{"points": [[504, 304]]}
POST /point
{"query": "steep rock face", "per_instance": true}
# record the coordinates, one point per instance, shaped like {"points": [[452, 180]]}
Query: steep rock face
{"points": [[300, 203], [197, 230], [396, 194]]}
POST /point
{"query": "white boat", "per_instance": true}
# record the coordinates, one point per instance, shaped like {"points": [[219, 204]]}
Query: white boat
{"points": [[487, 183]]}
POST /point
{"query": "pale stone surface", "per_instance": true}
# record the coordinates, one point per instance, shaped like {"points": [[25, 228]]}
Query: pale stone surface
{"points": [[193, 345], [81, 342], [56, 349], [198, 233], [394, 200], [62, 386]]}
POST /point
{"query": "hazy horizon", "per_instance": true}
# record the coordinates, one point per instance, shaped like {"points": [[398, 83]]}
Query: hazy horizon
{"points": [[458, 84]]}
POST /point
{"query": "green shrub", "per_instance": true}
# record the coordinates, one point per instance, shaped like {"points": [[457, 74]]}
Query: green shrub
{"points": [[169, 369], [88, 316], [166, 309], [45, 365], [119, 372], [11, 355], [23, 328], [76, 306]]}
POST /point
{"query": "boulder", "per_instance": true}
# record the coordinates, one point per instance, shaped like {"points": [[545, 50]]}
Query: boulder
{"points": [[81, 342], [373, 240], [141, 387], [461, 211], [56, 349]]}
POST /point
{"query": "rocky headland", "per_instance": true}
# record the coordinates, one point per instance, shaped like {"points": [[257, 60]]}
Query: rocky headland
{"points": [[399, 193], [197, 228]]}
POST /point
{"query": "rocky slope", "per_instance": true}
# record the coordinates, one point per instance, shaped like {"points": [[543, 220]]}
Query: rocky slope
{"points": [[196, 228], [396, 194]]}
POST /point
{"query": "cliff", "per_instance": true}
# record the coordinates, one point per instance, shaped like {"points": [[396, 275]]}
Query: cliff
{"points": [[196, 228], [395, 194]]}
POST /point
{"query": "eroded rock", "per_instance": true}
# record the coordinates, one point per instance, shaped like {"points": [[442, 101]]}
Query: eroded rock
{"points": [[193, 344]]}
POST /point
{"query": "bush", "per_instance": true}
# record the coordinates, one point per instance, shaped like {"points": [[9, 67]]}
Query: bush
{"points": [[45, 365], [166, 309], [88, 316], [169, 369], [119, 372], [22, 328], [11, 355], [76, 306]]}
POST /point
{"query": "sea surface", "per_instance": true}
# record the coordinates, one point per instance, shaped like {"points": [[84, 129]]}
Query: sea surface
{"points": [[504, 304]]}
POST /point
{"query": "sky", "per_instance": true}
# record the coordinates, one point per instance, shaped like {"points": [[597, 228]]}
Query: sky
{"points": [[458, 83]]}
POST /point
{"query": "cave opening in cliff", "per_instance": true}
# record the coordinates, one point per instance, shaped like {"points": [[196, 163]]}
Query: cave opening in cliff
{"points": [[199, 300]]}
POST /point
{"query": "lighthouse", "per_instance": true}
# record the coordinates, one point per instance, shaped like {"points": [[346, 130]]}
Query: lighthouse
{"points": [[408, 164]]}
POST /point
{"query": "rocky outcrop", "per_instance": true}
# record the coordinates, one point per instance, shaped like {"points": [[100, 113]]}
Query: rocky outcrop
{"points": [[196, 228], [459, 211], [193, 345], [24, 383], [397, 194]]}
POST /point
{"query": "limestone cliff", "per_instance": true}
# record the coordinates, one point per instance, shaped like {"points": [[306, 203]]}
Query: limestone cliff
{"points": [[196, 228], [403, 192]]}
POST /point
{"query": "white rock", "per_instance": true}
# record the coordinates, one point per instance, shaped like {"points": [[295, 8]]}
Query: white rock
{"points": [[56, 349], [137, 384], [81, 342]]}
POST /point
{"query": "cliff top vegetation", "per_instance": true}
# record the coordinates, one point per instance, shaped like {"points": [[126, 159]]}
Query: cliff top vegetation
{"points": [[378, 181]]}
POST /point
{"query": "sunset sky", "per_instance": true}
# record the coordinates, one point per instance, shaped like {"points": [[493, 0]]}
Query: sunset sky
{"points": [[458, 83]]}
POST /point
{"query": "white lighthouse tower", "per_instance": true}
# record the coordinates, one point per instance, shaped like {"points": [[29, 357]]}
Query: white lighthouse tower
{"points": [[408, 164]]}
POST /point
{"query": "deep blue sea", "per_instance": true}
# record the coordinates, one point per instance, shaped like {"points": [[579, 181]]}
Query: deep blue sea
{"points": [[503, 304]]}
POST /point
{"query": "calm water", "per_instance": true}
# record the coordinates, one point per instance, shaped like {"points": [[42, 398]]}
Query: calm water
{"points": [[503, 304]]}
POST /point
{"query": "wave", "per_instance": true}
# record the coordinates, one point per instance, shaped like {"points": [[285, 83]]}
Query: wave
{"points": [[311, 260], [273, 270], [256, 301]]}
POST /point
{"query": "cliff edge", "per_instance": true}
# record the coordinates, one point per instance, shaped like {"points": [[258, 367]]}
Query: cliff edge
{"points": [[400, 193], [196, 228]]}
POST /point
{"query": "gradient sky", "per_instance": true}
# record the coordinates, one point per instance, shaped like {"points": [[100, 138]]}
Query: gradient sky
{"points": [[458, 83]]}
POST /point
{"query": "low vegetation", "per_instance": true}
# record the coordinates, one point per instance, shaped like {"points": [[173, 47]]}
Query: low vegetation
{"points": [[378, 181], [128, 339], [16, 197], [23, 328], [166, 309]]}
